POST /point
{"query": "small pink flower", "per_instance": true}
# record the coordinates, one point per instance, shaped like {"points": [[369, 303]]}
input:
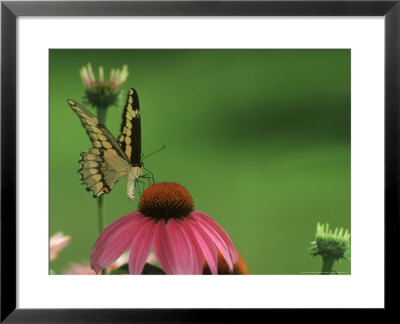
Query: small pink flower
{"points": [[84, 267], [57, 242], [182, 238], [117, 78]]}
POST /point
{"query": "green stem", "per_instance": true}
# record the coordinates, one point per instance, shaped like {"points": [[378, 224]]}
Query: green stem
{"points": [[100, 212], [101, 115], [327, 264]]}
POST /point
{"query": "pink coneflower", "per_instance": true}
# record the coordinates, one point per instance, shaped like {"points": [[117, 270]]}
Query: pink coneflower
{"points": [[57, 242], [182, 238]]}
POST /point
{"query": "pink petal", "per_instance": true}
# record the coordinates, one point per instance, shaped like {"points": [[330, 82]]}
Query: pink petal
{"points": [[120, 242], [197, 254], [219, 242], [140, 247], [220, 231], [117, 244], [163, 247], [206, 244], [181, 249], [108, 233], [110, 229]]}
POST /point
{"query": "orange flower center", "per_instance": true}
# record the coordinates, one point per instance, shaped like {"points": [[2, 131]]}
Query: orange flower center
{"points": [[166, 200]]}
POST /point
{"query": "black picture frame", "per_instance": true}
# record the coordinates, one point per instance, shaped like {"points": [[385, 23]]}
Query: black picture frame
{"points": [[10, 10]]}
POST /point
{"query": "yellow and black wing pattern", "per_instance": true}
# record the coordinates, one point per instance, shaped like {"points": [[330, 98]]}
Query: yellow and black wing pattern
{"points": [[130, 138], [103, 165]]}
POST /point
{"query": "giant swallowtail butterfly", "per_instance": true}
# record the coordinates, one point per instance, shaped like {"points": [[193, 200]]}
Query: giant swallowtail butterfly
{"points": [[109, 160]]}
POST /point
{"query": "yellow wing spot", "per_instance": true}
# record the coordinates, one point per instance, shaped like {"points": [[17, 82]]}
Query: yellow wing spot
{"points": [[128, 151], [128, 124], [124, 130], [130, 100], [107, 145], [128, 140], [135, 113], [129, 107], [128, 132], [129, 115], [102, 137], [97, 144], [121, 138], [71, 102], [80, 113], [96, 130], [91, 122], [131, 92]]}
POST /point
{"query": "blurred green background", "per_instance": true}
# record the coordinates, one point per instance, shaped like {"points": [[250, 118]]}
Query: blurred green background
{"points": [[260, 138]]}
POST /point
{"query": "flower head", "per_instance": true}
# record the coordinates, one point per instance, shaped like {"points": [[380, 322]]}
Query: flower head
{"points": [[182, 238], [57, 242], [101, 93], [331, 244]]}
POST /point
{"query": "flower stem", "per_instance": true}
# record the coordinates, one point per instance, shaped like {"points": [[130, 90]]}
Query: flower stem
{"points": [[100, 212], [327, 264], [101, 115]]}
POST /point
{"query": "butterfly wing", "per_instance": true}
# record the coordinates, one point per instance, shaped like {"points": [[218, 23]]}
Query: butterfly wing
{"points": [[130, 138], [101, 170], [106, 162], [99, 135]]}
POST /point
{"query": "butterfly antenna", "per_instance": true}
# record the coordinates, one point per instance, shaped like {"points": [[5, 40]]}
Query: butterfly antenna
{"points": [[160, 149]]}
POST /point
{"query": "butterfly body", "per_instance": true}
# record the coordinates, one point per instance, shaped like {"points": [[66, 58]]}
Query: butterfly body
{"points": [[103, 165], [134, 173]]}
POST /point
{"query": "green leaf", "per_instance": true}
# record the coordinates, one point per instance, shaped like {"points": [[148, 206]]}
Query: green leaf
{"points": [[150, 269], [52, 272]]}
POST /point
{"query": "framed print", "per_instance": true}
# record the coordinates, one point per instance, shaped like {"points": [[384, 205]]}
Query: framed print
{"points": [[161, 159]]}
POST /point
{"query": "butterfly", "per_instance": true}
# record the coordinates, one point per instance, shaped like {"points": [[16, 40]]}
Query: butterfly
{"points": [[109, 160]]}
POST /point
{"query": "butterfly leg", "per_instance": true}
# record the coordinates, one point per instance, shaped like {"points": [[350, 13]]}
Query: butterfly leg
{"points": [[140, 188], [151, 174], [148, 179]]}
